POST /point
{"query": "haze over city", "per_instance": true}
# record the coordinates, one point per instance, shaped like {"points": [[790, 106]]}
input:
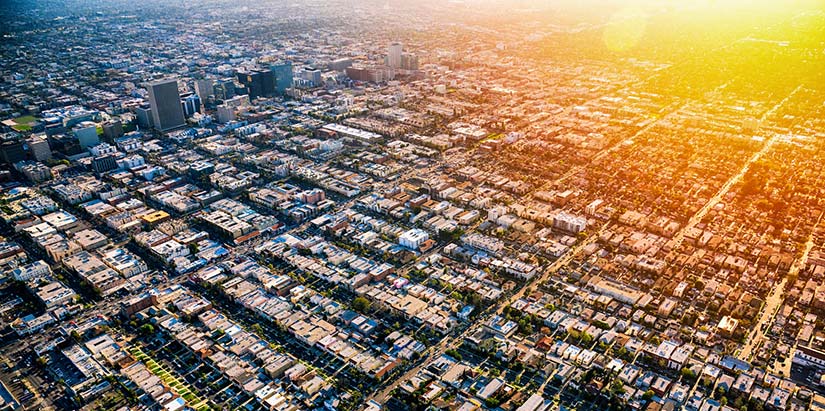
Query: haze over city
{"points": [[471, 205]]}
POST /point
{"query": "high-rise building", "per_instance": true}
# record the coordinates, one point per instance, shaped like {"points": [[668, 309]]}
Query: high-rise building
{"points": [[191, 104], [225, 113], [11, 148], [112, 130], [224, 89], [409, 61], [394, 55], [65, 144], [204, 88], [167, 113], [283, 76], [144, 116], [340, 64], [372, 74], [313, 76], [86, 134], [39, 147], [260, 82]]}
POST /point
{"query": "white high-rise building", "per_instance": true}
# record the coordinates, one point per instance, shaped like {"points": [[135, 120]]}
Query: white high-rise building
{"points": [[394, 55]]}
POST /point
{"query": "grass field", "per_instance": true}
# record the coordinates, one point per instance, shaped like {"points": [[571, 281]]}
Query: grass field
{"points": [[25, 120], [24, 123]]}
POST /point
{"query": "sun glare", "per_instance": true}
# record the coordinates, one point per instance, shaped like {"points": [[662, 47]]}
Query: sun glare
{"points": [[624, 29]]}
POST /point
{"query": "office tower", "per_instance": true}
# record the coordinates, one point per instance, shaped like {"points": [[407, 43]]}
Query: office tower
{"points": [[65, 144], [313, 76], [340, 64], [283, 76], [224, 89], [260, 82], [55, 129], [225, 113], [204, 88], [164, 98], [368, 74], [112, 130], [86, 134], [394, 55], [11, 149], [409, 61], [191, 104], [144, 116], [39, 147]]}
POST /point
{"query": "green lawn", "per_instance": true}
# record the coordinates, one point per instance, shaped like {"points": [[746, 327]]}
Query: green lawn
{"points": [[25, 120], [24, 123]]}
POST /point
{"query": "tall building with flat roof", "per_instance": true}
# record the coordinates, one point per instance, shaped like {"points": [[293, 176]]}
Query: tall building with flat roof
{"points": [[260, 82], [167, 113], [223, 89], [39, 147], [205, 88], [112, 129], [191, 104], [11, 149], [86, 134], [394, 55], [283, 76]]}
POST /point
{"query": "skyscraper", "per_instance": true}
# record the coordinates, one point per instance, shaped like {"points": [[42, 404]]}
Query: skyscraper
{"points": [[409, 61], [259, 82], [394, 55], [224, 89], [11, 149], [39, 147], [191, 104], [313, 76], [86, 134], [164, 98], [283, 76], [204, 88], [112, 130]]}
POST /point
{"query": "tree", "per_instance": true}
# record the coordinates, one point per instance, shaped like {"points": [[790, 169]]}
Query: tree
{"points": [[147, 329], [648, 395], [360, 304], [451, 235], [617, 388], [492, 402]]}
